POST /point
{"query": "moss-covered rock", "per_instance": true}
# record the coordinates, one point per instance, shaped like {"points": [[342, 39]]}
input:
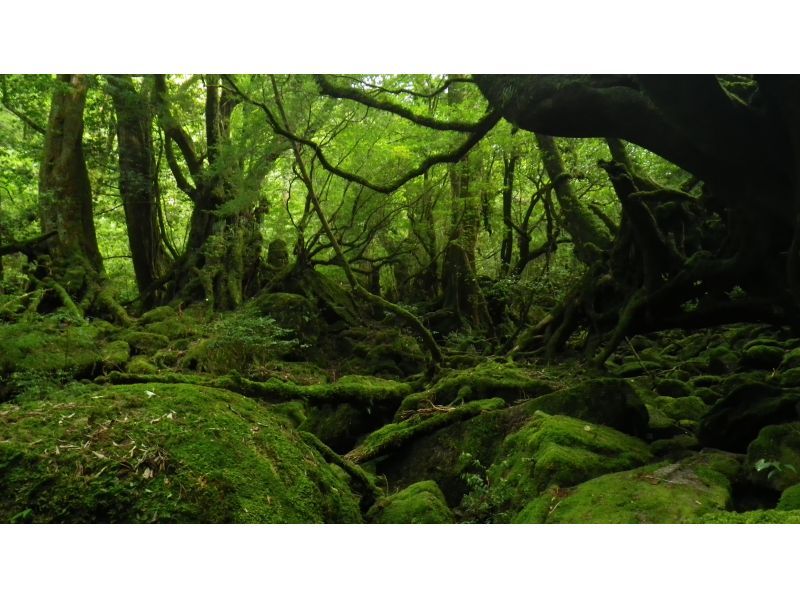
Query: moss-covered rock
{"points": [[721, 360], [735, 420], [791, 359], [380, 351], [681, 408], [705, 381], [158, 314], [144, 343], [659, 493], [790, 499], [761, 356], [141, 365], [636, 367], [672, 387], [791, 377], [709, 396], [422, 502], [773, 458], [50, 345], [557, 450], [489, 379], [162, 453], [115, 355], [676, 448]]}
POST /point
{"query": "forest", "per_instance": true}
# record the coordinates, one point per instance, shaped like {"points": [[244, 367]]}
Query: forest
{"points": [[428, 298]]}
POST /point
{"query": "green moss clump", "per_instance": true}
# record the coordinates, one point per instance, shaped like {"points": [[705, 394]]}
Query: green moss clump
{"points": [[49, 345], [396, 435], [773, 458], [422, 502], [790, 499], [162, 453], [115, 354], [791, 359], [761, 356], [144, 343], [790, 377], [768, 516], [635, 367], [158, 314], [705, 381], [489, 379], [709, 396], [558, 450], [659, 493], [141, 365]]}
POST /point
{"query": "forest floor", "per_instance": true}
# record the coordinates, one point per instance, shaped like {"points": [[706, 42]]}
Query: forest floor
{"points": [[269, 414]]}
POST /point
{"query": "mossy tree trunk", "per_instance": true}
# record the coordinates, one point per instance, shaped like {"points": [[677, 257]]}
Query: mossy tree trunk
{"points": [[138, 185]]}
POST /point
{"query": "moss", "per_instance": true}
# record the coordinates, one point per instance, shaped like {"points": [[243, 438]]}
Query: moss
{"points": [[773, 458], [141, 365], [296, 372], [769, 516], [672, 387], [678, 446], [691, 346], [158, 314], [558, 450], [395, 435], [659, 493], [764, 341], [340, 426], [790, 377], [734, 421], [293, 412], [705, 381], [791, 359], [380, 351], [636, 367], [681, 408], [790, 499], [709, 396], [489, 379], [49, 345], [290, 311], [422, 502], [115, 354], [144, 343], [174, 329], [165, 453], [763, 357]]}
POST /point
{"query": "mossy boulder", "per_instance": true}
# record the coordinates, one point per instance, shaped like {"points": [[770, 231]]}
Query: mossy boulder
{"points": [[676, 448], [709, 396], [672, 387], [162, 453], [791, 359], [422, 502], [735, 420], [115, 355], [681, 408], [705, 381], [158, 314], [50, 345], [144, 343], [790, 499], [658, 493], [557, 450], [380, 351], [790, 377], [773, 458], [486, 380], [141, 365], [721, 360], [764, 357], [636, 367]]}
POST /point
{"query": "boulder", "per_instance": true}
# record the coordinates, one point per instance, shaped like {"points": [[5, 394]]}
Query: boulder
{"points": [[422, 502]]}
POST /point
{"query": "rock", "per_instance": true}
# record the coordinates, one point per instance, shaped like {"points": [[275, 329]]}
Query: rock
{"points": [[635, 367], [791, 359], [681, 408], [381, 351], [675, 448], [773, 458], [422, 502], [659, 493], [791, 377], [158, 314], [721, 360], [760, 516], [705, 381], [735, 420], [163, 453], [709, 396], [763, 357], [790, 499], [557, 450]]}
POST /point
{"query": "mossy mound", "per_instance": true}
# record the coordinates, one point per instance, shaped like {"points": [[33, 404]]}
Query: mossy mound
{"points": [[561, 451], [488, 379], [761, 356], [773, 458], [790, 377], [681, 408], [636, 367], [422, 502], [735, 420], [162, 453], [672, 387], [790, 499], [380, 351], [50, 345], [115, 355], [141, 365], [659, 493]]}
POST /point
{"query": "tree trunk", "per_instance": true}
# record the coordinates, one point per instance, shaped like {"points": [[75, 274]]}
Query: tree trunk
{"points": [[138, 180]]}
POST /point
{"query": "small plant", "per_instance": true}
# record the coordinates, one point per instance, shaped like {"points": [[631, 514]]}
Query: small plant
{"points": [[773, 467]]}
